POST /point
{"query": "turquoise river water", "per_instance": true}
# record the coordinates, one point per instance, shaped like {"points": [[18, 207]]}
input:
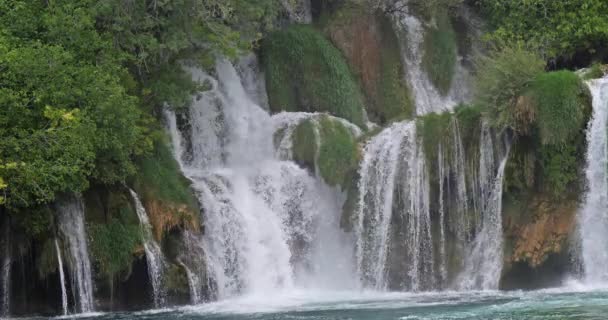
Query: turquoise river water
{"points": [[539, 305]]}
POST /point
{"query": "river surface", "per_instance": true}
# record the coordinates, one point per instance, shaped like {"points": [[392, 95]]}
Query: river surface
{"points": [[546, 304]]}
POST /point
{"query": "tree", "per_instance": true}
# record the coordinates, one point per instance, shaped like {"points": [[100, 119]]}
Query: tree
{"points": [[556, 28]]}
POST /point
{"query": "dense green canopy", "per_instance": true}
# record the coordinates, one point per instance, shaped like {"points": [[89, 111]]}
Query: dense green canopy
{"points": [[79, 81]]}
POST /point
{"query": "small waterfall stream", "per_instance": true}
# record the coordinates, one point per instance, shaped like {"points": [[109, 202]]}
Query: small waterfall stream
{"points": [[426, 97], [71, 225], [154, 256], [64, 294], [483, 265], [593, 219]]}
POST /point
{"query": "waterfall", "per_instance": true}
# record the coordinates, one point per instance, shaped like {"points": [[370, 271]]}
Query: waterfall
{"points": [[427, 98], [194, 284], [71, 225], [154, 256], [262, 214], [393, 176], [64, 294], [193, 258], [483, 265], [5, 277], [592, 219], [428, 224]]}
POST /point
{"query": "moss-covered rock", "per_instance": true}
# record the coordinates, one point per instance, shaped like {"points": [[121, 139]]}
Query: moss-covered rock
{"points": [[371, 48], [166, 193], [327, 145], [305, 72], [114, 231], [176, 280], [440, 49]]}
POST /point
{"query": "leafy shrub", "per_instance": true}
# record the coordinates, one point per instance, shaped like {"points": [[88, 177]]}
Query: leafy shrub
{"points": [[503, 76], [113, 244], [561, 100]]}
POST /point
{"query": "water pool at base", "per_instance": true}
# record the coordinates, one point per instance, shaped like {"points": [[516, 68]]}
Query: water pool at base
{"points": [[538, 305]]}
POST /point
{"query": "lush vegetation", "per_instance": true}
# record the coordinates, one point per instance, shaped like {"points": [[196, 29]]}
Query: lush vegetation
{"points": [[555, 28], [79, 82], [546, 112], [503, 76], [305, 72]]}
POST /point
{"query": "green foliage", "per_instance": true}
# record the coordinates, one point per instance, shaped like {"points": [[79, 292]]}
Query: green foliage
{"points": [[305, 72], [159, 177], [557, 28], [113, 244], [440, 49], [78, 79], [561, 100], [503, 76]]}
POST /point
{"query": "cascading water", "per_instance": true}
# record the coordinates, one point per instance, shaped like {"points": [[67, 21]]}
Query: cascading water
{"points": [[64, 294], [483, 265], [264, 217], [394, 182], [5, 277], [154, 256], [71, 225], [593, 219], [416, 219], [426, 97]]}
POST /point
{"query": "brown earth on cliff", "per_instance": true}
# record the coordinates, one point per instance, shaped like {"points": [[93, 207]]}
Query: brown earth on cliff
{"points": [[546, 231]]}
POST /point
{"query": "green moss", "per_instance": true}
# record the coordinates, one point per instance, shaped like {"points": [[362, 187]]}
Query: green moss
{"points": [[594, 72], [304, 72], [338, 153], [176, 280], [561, 100], [160, 178], [113, 244], [440, 50], [47, 259], [305, 145], [560, 167], [394, 97], [433, 129]]}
